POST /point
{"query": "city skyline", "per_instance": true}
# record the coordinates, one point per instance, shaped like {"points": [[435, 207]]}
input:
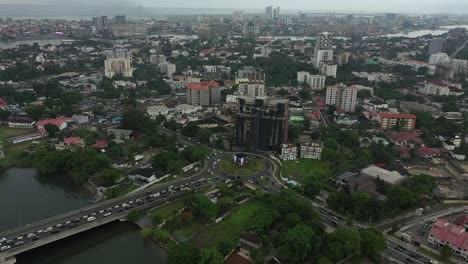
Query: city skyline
{"points": [[417, 6]]}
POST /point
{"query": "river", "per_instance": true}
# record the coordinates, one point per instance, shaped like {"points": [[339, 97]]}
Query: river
{"points": [[25, 197], [420, 33], [40, 42]]}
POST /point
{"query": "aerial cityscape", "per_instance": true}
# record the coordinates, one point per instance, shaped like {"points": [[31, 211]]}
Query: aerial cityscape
{"points": [[254, 132]]}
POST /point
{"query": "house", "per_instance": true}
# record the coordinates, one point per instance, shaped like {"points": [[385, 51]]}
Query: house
{"points": [[186, 109], [157, 110], [121, 134], [343, 119], [142, 174], [443, 233], [406, 139], [20, 121], [288, 152], [70, 142], [450, 140], [434, 154], [100, 144], [60, 122]]}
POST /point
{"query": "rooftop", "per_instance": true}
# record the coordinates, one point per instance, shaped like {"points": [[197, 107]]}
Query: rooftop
{"points": [[391, 177]]}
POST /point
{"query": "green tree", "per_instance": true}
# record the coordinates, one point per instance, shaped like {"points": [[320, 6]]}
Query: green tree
{"points": [[446, 252], [108, 177], [225, 246], [297, 243], [342, 243], [293, 132], [372, 242], [262, 220], [35, 111], [204, 208], [203, 135], [51, 129], [183, 254], [134, 119], [210, 256]]}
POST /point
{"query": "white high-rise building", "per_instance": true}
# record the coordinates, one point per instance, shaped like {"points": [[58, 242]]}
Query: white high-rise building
{"points": [[114, 66], [323, 49], [344, 98], [252, 89], [328, 69], [460, 66], [316, 82], [238, 16], [303, 77], [168, 68], [439, 58]]}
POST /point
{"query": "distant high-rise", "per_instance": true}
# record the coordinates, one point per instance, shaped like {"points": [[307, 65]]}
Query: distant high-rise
{"points": [[115, 66], [261, 122], [250, 28], [238, 16], [269, 12], [390, 16], [344, 98], [120, 19], [437, 45], [100, 22], [323, 49], [276, 13]]}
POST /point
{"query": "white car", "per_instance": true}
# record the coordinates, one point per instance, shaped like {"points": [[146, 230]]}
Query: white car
{"points": [[4, 248], [31, 235], [107, 214], [92, 218]]}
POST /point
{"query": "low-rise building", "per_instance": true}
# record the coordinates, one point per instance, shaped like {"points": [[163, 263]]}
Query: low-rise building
{"points": [[389, 177], [288, 152], [70, 143], [311, 150], [157, 110], [121, 134], [20, 121], [142, 174], [455, 236], [390, 120]]}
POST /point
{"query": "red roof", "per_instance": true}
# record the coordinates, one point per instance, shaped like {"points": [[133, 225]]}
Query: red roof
{"points": [[428, 151], [72, 140], [453, 234], [420, 62], [208, 51], [392, 115], [438, 83], [205, 85], [408, 136], [100, 144], [57, 121]]}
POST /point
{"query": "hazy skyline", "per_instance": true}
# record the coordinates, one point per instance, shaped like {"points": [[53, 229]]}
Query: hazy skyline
{"points": [[407, 6]]}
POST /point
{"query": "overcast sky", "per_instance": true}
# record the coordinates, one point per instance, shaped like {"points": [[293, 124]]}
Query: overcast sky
{"points": [[420, 6]]}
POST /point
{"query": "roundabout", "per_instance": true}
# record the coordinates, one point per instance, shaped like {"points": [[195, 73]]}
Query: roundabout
{"points": [[241, 165]]}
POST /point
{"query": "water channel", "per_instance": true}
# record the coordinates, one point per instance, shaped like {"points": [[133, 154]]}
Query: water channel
{"points": [[26, 197]]}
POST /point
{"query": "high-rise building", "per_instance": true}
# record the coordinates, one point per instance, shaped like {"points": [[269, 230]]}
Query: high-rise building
{"points": [[167, 68], [253, 89], [344, 98], [120, 19], [317, 82], [203, 93], [100, 22], [323, 49], [460, 66], [287, 20], [303, 77], [251, 28], [250, 74], [261, 123], [276, 13], [437, 45], [439, 58], [391, 17], [269, 12], [328, 68], [238, 16], [115, 66]]}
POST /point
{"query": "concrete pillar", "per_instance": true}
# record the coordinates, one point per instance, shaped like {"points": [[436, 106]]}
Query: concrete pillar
{"points": [[9, 260]]}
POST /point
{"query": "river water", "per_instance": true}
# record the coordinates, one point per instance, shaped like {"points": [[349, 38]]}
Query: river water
{"points": [[25, 197]]}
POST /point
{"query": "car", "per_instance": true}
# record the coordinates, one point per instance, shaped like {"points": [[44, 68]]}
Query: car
{"points": [[76, 220], [102, 211], [90, 219], [40, 231], [124, 205], [48, 229], [421, 232], [3, 239], [107, 214], [84, 217], [5, 248], [117, 206], [59, 225], [31, 235], [19, 238], [19, 243]]}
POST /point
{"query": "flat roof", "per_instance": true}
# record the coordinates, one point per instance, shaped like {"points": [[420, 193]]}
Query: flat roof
{"points": [[391, 177]]}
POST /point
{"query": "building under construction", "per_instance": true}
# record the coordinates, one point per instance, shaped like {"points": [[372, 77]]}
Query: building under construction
{"points": [[261, 122]]}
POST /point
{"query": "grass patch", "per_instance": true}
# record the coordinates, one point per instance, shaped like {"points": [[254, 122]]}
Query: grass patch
{"points": [[306, 169], [187, 230], [168, 210], [254, 165], [8, 132], [437, 257], [228, 229]]}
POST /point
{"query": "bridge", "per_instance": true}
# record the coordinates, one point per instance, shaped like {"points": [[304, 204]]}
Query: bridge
{"points": [[30, 236]]}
